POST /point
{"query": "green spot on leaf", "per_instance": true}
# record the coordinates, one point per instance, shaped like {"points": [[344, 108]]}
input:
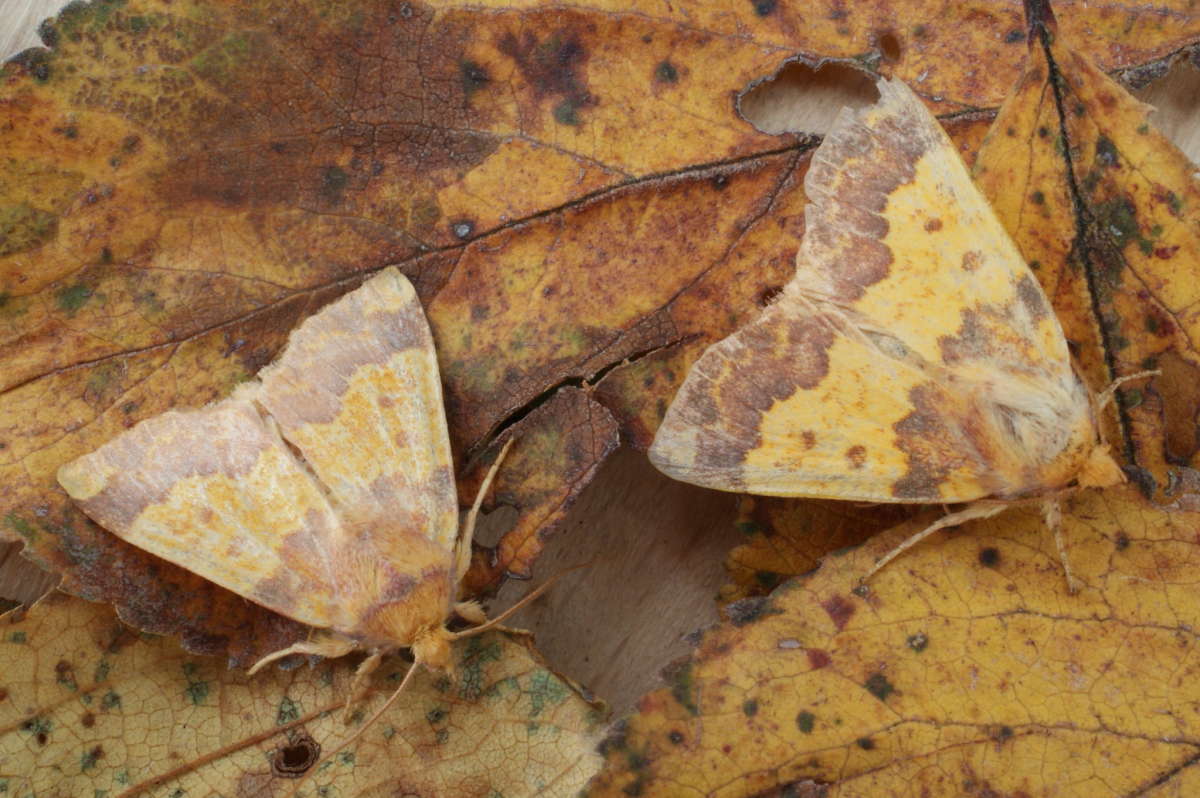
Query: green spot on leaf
{"points": [[805, 721], [73, 297], [288, 711], [24, 227]]}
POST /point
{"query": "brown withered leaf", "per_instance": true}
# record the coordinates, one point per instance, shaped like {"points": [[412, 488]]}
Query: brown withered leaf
{"points": [[967, 669], [88, 707], [557, 449], [788, 537], [1107, 212], [185, 182]]}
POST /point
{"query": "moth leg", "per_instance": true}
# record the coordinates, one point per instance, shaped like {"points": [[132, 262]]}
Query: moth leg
{"points": [[1052, 513], [968, 513], [365, 669], [462, 550], [326, 646], [471, 612]]}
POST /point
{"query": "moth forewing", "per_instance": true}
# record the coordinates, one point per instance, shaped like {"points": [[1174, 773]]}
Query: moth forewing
{"points": [[913, 357]]}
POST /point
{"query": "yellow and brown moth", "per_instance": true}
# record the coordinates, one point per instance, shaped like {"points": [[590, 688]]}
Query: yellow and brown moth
{"points": [[913, 357], [323, 490]]}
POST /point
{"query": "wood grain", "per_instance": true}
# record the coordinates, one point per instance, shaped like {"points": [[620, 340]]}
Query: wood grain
{"points": [[658, 546]]}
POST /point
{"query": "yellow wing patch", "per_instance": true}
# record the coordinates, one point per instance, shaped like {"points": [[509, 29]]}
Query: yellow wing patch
{"points": [[913, 357], [356, 533], [218, 492]]}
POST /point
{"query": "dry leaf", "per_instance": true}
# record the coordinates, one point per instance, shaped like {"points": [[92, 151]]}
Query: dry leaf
{"points": [[89, 706], [966, 670]]}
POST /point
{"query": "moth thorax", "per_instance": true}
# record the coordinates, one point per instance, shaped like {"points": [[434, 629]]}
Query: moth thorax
{"points": [[1045, 433], [431, 648]]}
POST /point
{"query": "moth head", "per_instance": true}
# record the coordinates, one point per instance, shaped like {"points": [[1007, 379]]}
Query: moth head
{"points": [[431, 648]]}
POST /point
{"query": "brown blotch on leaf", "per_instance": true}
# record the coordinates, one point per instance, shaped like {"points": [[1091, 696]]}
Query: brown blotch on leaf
{"points": [[88, 720], [971, 260], [808, 438], [818, 658], [839, 610], [857, 455], [933, 225]]}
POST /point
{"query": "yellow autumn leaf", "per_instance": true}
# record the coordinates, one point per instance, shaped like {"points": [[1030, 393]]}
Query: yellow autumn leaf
{"points": [[965, 669], [90, 707]]}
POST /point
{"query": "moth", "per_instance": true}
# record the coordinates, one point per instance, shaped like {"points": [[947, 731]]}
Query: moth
{"points": [[323, 490], [913, 357]]}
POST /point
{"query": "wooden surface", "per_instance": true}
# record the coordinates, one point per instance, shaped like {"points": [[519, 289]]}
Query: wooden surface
{"points": [[658, 546]]}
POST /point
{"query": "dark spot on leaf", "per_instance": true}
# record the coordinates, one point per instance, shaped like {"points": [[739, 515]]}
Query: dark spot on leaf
{"points": [[675, 737], [989, 557], [1106, 152], [474, 76], [48, 33], [878, 686], [3, 694], [1014, 36], [804, 722], [567, 112], [666, 72], [918, 642], [1122, 541], [291, 761], [750, 708], [88, 720], [1003, 733], [88, 760], [334, 180], [839, 610], [865, 743], [1038, 197], [764, 7], [719, 182], [1043, 131], [818, 658]]}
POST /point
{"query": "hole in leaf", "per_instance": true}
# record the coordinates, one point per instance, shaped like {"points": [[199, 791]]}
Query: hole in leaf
{"points": [[1176, 100], [889, 47], [801, 99], [291, 761]]}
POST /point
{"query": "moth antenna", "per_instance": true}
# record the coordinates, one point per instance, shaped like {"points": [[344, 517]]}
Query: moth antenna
{"points": [[1108, 393], [368, 723], [462, 551], [528, 597]]}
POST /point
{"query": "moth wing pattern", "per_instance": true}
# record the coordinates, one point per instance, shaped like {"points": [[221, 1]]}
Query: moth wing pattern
{"points": [[358, 392], [913, 357], [217, 491]]}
